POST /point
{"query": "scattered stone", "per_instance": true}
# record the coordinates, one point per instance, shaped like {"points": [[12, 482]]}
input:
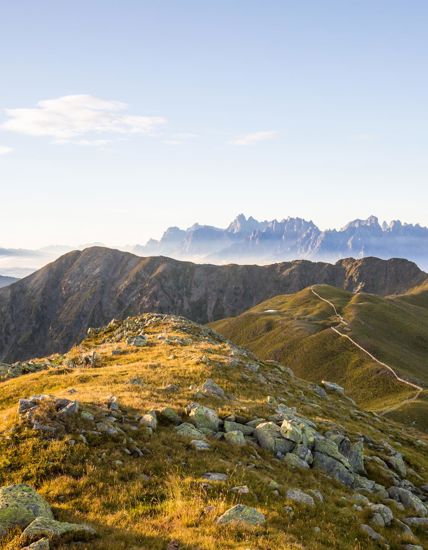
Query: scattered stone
{"points": [[332, 387], [203, 417], [408, 499], [210, 388], [200, 445], [56, 531], [235, 438], [149, 420], [230, 426], [295, 462], [242, 514], [268, 436], [241, 490], [215, 476], [42, 544], [188, 430], [139, 341], [300, 497], [169, 415], [371, 533]]}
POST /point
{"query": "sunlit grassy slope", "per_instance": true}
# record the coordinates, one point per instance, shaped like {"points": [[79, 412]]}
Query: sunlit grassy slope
{"points": [[295, 329], [161, 498]]}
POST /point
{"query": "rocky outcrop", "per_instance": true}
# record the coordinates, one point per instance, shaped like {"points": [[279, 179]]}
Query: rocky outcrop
{"points": [[53, 308]]}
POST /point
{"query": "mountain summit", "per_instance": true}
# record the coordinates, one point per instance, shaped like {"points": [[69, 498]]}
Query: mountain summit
{"points": [[250, 240]]}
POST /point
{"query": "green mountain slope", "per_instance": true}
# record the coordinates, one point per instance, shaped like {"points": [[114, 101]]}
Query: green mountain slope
{"points": [[297, 330]]}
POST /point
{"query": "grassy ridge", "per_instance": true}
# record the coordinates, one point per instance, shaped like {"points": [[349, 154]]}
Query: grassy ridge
{"points": [[296, 329]]}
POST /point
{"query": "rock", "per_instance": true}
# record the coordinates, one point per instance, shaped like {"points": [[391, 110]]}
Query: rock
{"points": [[300, 497], [19, 506], [25, 405], [332, 387], [371, 533], [42, 544], [235, 438], [139, 341], [295, 462], [417, 522], [210, 388], [200, 445], [203, 417], [412, 547], [242, 514], [86, 415], [303, 453], [317, 495], [268, 436], [168, 414], [319, 391], [188, 430], [396, 462], [241, 490], [230, 426], [408, 499], [215, 476], [56, 531], [333, 468], [384, 512], [329, 447], [69, 409], [149, 420], [291, 431]]}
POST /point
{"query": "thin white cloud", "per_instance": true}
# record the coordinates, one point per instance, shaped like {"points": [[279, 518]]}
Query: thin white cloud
{"points": [[255, 137], [74, 116], [5, 150]]}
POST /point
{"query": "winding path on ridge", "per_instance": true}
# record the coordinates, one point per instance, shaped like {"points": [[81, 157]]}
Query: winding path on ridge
{"points": [[342, 321]]}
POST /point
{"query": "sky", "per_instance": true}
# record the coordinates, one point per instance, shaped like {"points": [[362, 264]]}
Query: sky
{"points": [[121, 118]]}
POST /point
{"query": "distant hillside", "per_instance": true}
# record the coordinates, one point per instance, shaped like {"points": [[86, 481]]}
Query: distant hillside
{"points": [[251, 241], [5, 281], [51, 309], [296, 329]]}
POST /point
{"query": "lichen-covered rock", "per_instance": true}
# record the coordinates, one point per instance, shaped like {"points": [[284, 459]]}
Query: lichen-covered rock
{"points": [[169, 415], [332, 387], [268, 436], [19, 506], [42, 544], [149, 420], [203, 417], [296, 495], [333, 468], [235, 438], [290, 430], [56, 531], [371, 533], [188, 430], [230, 426], [211, 389], [242, 514], [295, 462], [139, 341], [408, 499]]}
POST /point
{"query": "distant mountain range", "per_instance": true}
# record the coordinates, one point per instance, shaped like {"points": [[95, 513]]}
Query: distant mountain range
{"points": [[52, 309], [5, 281], [247, 240]]}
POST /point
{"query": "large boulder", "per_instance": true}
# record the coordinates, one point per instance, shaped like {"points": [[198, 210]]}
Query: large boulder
{"points": [[268, 436], [333, 468], [242, 514], [19, 506], [296, 495], [56, 531], [290, 430], [408, 499], [203, 417]]}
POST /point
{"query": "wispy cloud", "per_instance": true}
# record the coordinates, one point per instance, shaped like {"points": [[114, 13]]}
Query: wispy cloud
{"points": [[68, 118], [180, 139], [5, 150], [255, 137]]}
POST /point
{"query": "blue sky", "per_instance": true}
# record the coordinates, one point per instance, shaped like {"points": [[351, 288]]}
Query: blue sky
{"points": [[120, 118]]}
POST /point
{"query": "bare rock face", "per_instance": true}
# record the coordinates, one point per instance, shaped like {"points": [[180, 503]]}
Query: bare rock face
{"points": [[52, 309]]}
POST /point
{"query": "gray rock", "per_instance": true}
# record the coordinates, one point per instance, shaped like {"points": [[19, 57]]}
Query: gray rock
{"points": [[19, 506], [333, 468], [384, 512], [138, 341], [200, 445], [42, 544], [230, 426], [422, 523], [203, 417], [396, 462], [296, 495], [235, 438], [215, 476], [408, 499], [169, 415], [290, 430], [332, 387], [371, 533], [188, 430], [56, 531], [242, 514], [268, 436], [149, 420], [210, 388], [294, 461], [329, 448]]}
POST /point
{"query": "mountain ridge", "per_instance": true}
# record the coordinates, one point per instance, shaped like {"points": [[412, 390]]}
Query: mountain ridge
{"points": [[51, 309], [250, 240]]}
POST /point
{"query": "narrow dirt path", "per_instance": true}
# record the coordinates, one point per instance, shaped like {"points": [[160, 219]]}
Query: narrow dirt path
{"points": [[342, 321]]}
